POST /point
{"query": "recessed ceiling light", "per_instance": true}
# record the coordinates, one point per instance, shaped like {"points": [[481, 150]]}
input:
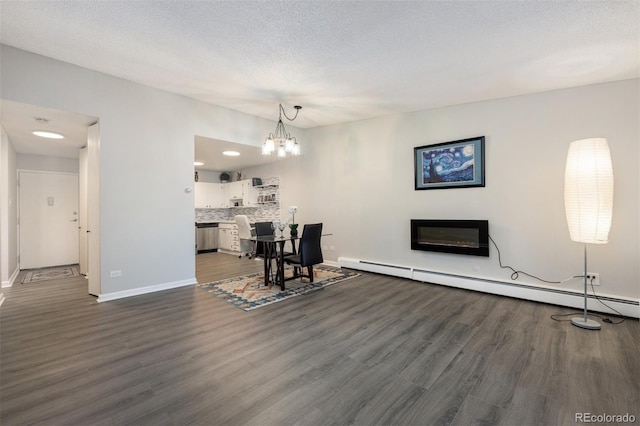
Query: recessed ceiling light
{"points": [[49, 135], [231, 153], [198, 163]]}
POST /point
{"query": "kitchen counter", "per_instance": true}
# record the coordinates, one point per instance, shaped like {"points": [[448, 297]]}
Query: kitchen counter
{"points": [[232, 222]]}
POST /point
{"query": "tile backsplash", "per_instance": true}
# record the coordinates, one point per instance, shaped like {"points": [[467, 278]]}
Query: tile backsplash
{"points": [[264, 213], [255, 214]]}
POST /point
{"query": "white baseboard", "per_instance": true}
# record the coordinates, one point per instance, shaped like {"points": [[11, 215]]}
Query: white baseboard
{"points": [[12, 279], [145, 290], [1, 299], [547, 294], [377, 267]]}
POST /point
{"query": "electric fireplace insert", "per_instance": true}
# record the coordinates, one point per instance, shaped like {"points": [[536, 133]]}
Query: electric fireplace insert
{"points": [[451, 236]]}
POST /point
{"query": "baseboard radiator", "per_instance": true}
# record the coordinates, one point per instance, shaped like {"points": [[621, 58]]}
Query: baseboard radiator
{"points": [[542, 293]]}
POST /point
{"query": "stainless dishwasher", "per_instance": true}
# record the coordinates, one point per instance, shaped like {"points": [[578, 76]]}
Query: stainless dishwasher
{"points": [[206, 237]]}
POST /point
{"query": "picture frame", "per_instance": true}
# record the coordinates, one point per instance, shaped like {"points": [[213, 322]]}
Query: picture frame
{"points": [[455, 164]]}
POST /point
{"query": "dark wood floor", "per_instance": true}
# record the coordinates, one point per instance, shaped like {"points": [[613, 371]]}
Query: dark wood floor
{"points": [[371, 350]]}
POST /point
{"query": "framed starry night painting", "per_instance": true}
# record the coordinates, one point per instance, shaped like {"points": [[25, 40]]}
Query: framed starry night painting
{"points": [[456, 164]]}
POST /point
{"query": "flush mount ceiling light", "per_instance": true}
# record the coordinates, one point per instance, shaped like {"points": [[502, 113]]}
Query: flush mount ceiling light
{"points": [[280, 141], [48, 135], [231, 153], [198, 163], [44, 133]]}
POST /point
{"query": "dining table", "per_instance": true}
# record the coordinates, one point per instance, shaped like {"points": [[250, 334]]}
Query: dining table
{"points": [[274, 249]]}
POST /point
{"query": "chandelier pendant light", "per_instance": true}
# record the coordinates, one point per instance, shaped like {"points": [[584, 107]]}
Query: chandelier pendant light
{"points": [[281, 142]]}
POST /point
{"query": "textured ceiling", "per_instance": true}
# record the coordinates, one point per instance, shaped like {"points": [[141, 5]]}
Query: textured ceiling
{"points": [[342, 61]]}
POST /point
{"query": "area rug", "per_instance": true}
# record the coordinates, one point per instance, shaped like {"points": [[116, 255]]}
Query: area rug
{"points": [[248, 292], [55, 273]]}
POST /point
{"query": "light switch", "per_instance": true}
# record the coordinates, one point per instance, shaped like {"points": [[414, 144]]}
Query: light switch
{"points": [[50, 201]]}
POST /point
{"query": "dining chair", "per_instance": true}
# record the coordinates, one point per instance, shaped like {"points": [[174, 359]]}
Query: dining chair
{"points": [[245, 232], [262, 228], [309, 253]]}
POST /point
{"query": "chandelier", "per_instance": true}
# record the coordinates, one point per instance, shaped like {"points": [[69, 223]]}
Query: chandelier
{"points": [[280, 141]]}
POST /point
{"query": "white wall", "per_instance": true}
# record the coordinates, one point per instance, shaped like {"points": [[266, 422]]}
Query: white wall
{"points": [[8, 212], [47, 164], [357, 179], [147, 152], [207, 176]]}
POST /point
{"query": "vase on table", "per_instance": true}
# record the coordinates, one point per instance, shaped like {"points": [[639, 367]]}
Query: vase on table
{"points": [[293, 226]]}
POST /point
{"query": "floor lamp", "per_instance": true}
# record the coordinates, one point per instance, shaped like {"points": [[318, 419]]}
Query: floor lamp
{"points": [[588, 201]]}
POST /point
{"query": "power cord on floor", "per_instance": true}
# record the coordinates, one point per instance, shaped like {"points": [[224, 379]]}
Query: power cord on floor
{"points": [[604, 319], [516, 274], [575, 314], [607, 320]]}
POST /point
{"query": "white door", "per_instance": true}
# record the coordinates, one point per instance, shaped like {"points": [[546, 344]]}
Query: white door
{"points": [[93, 209], [82, 224], [48, 219]]}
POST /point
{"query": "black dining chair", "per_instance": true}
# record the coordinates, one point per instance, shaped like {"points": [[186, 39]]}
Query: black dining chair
{"points": [[309, 253], [262, 228]]}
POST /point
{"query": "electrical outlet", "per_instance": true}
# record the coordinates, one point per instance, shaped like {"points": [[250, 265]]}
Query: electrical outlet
{"points": [[593, 278], [114, 274]]}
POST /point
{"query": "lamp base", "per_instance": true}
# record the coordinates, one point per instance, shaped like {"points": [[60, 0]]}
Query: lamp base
{"points": [[588, 324]]}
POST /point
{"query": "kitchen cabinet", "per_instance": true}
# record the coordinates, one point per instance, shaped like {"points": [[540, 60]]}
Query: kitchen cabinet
{"points": [[235, 190], [228, 239], [249, 194], [224, 195], [207, 195]]}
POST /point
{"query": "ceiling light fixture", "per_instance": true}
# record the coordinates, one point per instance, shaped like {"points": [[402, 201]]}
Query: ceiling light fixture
{"points": [[280, 141], [231, 153], [198, 163], [48, 135]]}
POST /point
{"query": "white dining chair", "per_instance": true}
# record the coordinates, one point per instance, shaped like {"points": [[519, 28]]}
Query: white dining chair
{"points": [[245, 232]]}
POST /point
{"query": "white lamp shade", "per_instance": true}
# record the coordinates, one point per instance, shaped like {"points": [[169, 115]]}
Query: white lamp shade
{"points": [[588, 191], [282, 152], [289, 145], [268, 147]]}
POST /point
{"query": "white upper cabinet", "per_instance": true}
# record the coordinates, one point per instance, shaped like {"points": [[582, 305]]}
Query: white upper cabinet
{"points": [[224, 195], [235, 190], [207, 195], [249, 194]]}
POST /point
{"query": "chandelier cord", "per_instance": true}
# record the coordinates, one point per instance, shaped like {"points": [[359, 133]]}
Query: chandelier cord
{"points": [[281, 141], [283, 112]]}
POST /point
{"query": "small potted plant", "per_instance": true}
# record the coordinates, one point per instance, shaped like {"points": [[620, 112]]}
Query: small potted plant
{"points": [[293, 226]]}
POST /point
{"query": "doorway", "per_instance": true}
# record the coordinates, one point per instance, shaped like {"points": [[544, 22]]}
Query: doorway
{"points": [[51, 156], [48, 219]]}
